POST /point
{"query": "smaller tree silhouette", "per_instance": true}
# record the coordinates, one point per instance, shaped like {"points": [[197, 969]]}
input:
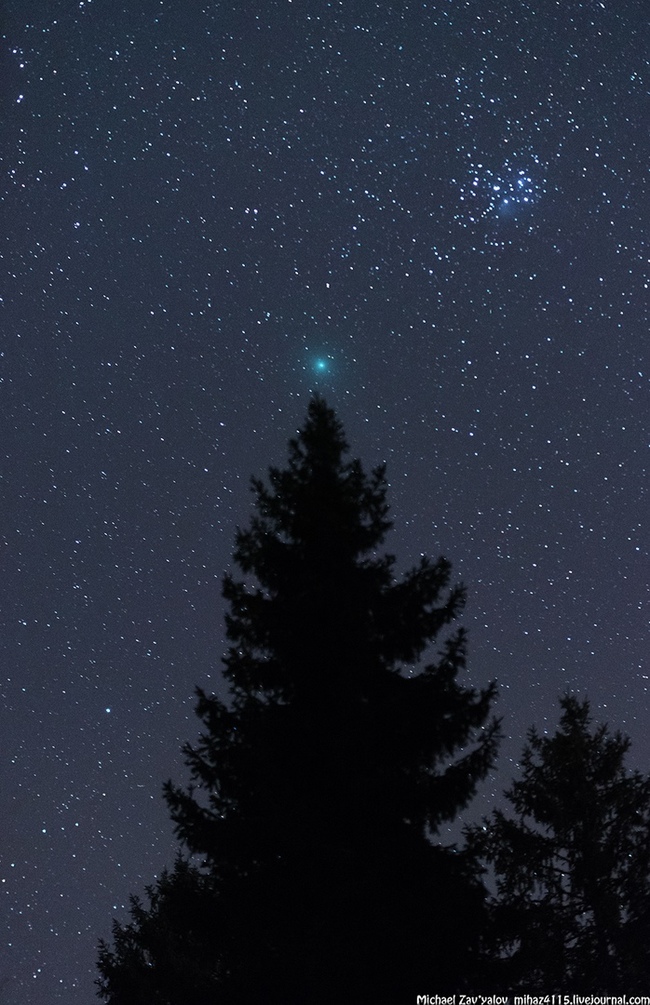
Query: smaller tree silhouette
{"points": [[572, 865], [167, 952]]}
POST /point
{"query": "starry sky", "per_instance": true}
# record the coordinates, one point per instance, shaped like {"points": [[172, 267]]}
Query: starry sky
{"points": [[431, 213]]}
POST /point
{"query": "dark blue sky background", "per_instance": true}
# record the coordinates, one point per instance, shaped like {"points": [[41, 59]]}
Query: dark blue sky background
{"points": [[435, 215]]}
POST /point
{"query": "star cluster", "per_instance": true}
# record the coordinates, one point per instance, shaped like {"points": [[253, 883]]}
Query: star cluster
{"points": [[431, 213], [504, 192]]}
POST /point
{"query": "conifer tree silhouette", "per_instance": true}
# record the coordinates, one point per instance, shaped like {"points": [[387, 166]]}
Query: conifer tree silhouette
{"points": [[317, 792], [572, 864]]}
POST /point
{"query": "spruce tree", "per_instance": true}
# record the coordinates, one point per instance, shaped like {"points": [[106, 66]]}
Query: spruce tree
{"points": [[317, 792], [571, 864]]}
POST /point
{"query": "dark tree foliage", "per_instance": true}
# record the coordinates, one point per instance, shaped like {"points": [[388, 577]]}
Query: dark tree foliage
{"points": [[572, 865], [317, 791], [167, 953]]}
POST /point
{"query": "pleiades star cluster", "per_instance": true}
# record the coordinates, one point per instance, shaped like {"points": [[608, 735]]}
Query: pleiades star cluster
{"points": [[435, 215]]}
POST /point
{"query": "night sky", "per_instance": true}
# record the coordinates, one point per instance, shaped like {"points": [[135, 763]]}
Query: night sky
{"points": [[431, 213]]}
